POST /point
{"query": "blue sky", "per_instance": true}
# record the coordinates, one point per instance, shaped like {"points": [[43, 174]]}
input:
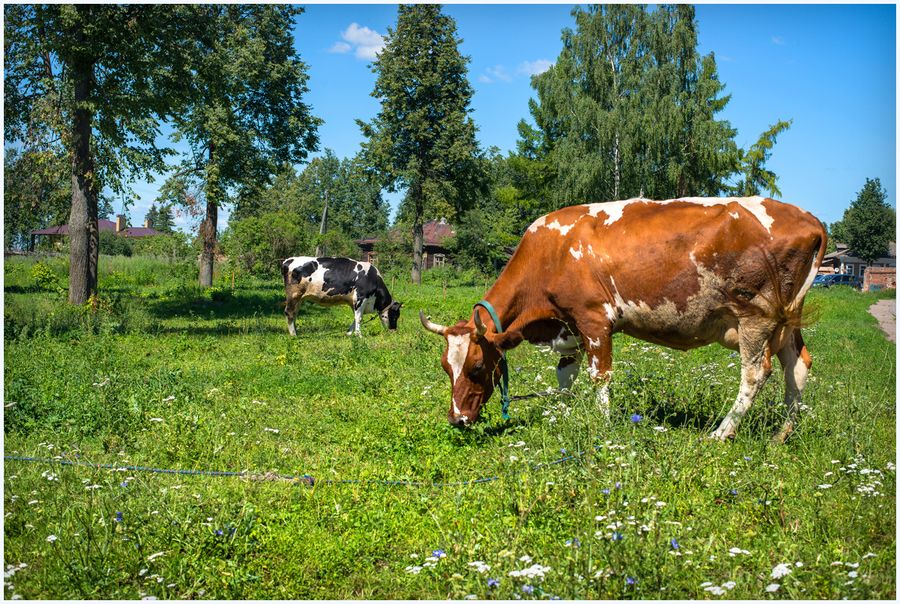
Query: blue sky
{"points": [[829, 68]]}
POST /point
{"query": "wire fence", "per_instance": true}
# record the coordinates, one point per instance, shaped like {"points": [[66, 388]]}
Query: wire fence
{"points": [[301, 479]]}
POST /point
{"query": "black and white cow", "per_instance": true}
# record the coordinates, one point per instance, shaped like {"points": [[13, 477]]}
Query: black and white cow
{"points": [[332, 281]]}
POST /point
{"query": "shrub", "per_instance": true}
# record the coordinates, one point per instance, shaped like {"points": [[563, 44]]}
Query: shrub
{"points": [[43, 276], [257, 243], [113, 245], [173, 246]]}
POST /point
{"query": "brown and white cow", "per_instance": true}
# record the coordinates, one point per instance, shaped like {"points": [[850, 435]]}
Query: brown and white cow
{"points": [[682, 273]]}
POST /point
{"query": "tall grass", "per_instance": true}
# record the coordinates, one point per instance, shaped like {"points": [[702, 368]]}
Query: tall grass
{"points": [[640, 506]]}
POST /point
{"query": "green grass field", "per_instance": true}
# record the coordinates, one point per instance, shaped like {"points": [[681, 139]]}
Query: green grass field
{"points": [[165, 375]]}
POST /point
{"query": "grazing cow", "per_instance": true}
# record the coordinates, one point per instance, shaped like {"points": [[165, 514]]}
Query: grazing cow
{"points": [[330, 281], [682, 273]]}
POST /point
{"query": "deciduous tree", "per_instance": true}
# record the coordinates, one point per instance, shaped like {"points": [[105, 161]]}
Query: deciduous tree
{"points": [[870, 222], [93, 79], [244, 115]]}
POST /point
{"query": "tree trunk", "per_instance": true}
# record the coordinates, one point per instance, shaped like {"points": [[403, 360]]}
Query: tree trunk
{"points": [[210, 222], [84, 241], [418, 244], [208, 235]]}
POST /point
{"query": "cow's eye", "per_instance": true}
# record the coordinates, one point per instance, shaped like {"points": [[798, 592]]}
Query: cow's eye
{"points": [[478, 367]]}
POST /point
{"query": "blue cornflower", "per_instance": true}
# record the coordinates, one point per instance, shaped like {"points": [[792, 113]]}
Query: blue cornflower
{"points": [[528, 589], [438, 553], [674, 543], [733, 491], [636, 417], [617, 536], [119, 517], [747, 458], [219, 532], [563, 451], [618, 485], [124, 484], [605, 491], [573, 542], [493, 582], [630, 580]]}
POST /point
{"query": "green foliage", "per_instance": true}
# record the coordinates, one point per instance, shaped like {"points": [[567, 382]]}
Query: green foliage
{"points": [[174, 245], [423, 139], [162, 376], [161, 218], [114, 245], [629, 108], [243, 115], [484, 240], [43, 277], [870, 223], [356, 207], [756, 178], [256, 244]]}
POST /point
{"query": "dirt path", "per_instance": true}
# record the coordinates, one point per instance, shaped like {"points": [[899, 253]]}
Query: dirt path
{"points": [[886, 313]]}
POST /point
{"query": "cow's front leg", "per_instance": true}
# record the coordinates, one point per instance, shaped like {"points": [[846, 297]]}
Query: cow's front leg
{"points": [[756, 365], [357, 320], [567, 369], [598, 345]]}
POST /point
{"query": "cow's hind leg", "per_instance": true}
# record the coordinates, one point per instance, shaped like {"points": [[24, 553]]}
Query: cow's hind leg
{"points": [[597, 341], [756, 365], [290, 313], [796, 362]]}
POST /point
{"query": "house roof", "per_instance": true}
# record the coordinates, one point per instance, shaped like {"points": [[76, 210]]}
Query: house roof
{"points": [[844, 250], [435, 232], [102, 225]]}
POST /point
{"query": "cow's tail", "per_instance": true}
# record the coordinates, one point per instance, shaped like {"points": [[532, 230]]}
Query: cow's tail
{"points": [[284, 270], [781, 303]]}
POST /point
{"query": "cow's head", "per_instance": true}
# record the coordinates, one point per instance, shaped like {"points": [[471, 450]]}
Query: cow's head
{"points": [[472, 360], [390, 315]]}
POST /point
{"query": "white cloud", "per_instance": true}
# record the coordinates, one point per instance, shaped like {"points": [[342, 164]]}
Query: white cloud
{"points": [[340, 47], [366, 42], [531, 68], [778, 40], [498, 72]]}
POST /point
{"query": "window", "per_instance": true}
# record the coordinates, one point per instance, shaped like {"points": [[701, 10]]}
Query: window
{"points": [[849, 269], [439, 259]]}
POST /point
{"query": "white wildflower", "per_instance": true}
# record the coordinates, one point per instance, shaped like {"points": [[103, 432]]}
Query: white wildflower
{"points": [[153, 557], [272, 430], [853, 574], [51, 538], [415, 570], [781, 570], [729, 585], [156, 419], [772, 587], [824, 486]]}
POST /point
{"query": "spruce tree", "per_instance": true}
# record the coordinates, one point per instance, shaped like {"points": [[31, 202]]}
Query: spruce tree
{"points": [[422, 139]]}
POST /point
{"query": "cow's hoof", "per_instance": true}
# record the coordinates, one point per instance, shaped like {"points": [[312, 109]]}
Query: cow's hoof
{"points": [[783, 434], [722, 435]]}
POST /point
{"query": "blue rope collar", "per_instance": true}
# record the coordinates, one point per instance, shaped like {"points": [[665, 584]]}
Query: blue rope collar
{"points": [[504, 367]]}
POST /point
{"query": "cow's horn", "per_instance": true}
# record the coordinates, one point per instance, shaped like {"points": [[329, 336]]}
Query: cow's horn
{"points": [[480, 327], [432, 327]]}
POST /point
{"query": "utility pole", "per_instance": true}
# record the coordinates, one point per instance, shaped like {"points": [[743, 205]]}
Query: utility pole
{"points": [[320, 249]]}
